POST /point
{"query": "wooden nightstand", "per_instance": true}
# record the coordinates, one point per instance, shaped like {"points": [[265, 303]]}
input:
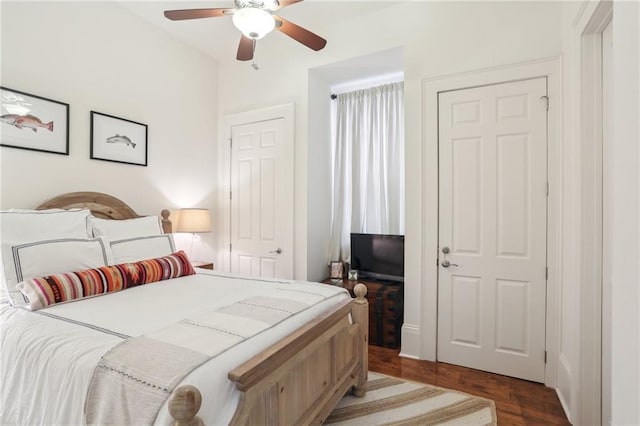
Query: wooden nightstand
{"points": [[203, 265], [386, 309]]}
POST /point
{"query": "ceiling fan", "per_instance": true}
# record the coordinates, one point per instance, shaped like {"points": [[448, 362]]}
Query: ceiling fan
{"points": [[255, 19]]}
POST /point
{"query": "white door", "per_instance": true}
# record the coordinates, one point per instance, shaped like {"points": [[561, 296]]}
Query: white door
{"points": [[261, 200], [492, 228]]}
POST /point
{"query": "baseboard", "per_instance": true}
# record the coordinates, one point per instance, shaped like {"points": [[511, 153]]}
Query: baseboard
{"points": [[564, 404], [564, 385], [410, 347], [404, 355]]}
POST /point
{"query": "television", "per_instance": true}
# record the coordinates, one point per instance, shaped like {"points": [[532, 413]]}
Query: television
{"points": [[377, 256]]}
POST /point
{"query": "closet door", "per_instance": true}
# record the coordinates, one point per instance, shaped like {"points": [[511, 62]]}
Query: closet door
{"points": [[261, 200], [492, 228]]}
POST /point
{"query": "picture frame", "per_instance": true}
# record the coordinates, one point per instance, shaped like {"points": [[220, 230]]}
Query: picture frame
{"points": [[118, 140], [353, 275], [337, 270], [33, 122]]}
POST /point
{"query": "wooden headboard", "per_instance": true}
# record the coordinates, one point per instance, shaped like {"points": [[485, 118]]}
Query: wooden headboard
{"points": [[104, 206]]}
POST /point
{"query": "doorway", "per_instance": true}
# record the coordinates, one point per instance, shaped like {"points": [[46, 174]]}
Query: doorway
{"points": [[493, 228], [548, 71], [259, 210], [594, 396]]}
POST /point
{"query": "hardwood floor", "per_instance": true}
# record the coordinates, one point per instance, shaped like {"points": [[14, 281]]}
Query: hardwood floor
{"points": [[518, 402]]}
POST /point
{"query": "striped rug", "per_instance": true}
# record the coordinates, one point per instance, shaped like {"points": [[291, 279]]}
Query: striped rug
{"points": [[392, 401]]}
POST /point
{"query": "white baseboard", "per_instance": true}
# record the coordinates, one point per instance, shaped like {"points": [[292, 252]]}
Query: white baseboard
{"points": [[410, 346], [403, 355], [564, 404], [563, 390]]}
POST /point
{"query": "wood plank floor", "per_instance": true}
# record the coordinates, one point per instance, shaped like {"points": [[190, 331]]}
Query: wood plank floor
{"points": [[518, 402]]}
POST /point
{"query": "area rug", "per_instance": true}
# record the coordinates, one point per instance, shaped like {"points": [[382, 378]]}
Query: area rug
{"points": [[392, 401]]}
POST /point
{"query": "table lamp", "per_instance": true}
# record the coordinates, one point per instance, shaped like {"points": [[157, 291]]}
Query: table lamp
{"points": [[194, 221]]}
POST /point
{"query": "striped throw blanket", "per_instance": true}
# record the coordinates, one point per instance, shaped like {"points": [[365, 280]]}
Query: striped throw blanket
{"points": [[133, 380]]}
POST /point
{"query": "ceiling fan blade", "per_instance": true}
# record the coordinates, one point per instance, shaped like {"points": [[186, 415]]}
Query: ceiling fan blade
{"points": [[179, 15], [245, 49], [285, 3], [302, 35]]}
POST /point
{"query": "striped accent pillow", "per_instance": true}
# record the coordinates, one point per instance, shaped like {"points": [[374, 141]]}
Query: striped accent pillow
{"points": [[58, 288]]}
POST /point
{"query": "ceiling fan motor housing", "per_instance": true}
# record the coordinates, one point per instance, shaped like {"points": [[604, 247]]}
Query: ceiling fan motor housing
{"points": [[260, 4]]}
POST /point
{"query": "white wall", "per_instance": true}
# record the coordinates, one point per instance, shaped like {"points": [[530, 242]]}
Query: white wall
{"points": [[625, 180], [319, 178], [438, 38], [98, 56]]}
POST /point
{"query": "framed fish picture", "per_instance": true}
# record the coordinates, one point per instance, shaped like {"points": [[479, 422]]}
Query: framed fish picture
{"points": [[32, 122], [118, 139]]}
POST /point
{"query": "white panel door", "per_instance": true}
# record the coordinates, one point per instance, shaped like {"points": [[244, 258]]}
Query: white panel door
{"points": [[492, 228], [261, 200]]}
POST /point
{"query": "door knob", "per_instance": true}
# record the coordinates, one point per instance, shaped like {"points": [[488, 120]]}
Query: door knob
{"points": [[446, 264], [276, 251]]}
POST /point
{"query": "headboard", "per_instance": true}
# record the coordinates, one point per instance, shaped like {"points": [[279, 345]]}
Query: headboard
{"points": [[104, 206]]}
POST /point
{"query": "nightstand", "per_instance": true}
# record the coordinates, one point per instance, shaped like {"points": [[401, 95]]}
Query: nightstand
{"points": [[202, 265], [386, 309]]}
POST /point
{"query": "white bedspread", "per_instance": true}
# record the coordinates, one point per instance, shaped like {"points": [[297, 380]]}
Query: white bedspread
{"points": [[47, 357]]}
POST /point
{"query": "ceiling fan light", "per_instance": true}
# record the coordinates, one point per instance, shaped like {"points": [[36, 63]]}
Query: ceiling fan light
{"points": [[253, 22]]}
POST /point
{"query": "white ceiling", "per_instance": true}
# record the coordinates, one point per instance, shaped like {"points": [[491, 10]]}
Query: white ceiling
{"points": [[218, 37]]}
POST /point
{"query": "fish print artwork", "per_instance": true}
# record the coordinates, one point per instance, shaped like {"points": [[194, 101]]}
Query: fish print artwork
{"points": [[26, 121], [33, 122], [121, 139], [118, 139]]}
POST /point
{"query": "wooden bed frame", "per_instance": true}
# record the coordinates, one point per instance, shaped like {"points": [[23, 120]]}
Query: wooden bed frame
{"points": [[104, 206], [298, 380]]}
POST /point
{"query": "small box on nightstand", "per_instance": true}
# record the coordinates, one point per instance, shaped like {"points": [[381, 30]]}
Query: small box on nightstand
{"points": [[202, 265]]}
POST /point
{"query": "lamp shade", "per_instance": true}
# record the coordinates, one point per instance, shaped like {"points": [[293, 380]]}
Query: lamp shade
{"points": [[194, 220], [253, 22]]}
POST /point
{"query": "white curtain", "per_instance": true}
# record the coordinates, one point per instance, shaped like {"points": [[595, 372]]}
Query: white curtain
{"points": [[368, 165]]}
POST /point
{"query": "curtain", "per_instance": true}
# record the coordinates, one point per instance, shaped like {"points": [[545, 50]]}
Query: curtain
{"points": [[368, 165]]}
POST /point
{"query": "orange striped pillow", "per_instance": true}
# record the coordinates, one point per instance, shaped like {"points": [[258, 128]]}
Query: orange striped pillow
{"points": [[58, 288]]}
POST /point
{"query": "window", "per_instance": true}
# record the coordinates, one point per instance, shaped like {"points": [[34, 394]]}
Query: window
{"points": [[368, 165]]}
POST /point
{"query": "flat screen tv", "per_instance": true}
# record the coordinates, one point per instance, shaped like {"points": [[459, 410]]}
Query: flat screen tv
{"points": [[378, 256]]}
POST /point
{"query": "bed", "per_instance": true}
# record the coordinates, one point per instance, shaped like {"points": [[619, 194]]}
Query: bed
{"points": [[65, 363]]}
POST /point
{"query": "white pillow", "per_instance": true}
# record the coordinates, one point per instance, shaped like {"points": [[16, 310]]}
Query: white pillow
{"points": [[21, 226], [39, 258], [126, 228], [18, 226], [141, 248]]}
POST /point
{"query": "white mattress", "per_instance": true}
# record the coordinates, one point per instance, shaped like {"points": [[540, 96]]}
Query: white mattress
{"points": [[47, 357]]}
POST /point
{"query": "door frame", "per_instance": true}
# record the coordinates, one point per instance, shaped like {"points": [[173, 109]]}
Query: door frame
{"points": [[287, 113], [549, 68], [592, 19]]}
